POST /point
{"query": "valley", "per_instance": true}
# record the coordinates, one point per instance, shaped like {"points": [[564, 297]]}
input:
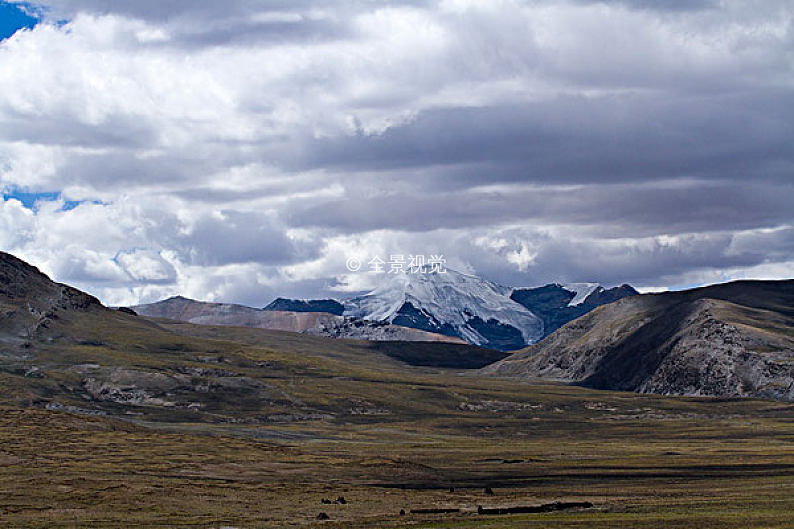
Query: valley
{"points": [[110, 419], [640, 462]]}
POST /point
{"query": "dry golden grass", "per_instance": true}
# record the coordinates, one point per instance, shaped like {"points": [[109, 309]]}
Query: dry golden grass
{"points": [[430, 439]]}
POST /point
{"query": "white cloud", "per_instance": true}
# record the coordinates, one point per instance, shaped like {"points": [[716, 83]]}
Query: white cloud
{"points": [[239, 151], [17, 224], [146, 266]]}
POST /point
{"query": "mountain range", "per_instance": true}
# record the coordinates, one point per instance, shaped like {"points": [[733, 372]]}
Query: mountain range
{"points": [[729, 340], [308, 322], [478, 311], [62, 349]]}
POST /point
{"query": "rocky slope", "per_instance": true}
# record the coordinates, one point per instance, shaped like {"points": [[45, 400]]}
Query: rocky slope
{"points": [[313, 323], [731, 340], [30, 301], [61, 349]]}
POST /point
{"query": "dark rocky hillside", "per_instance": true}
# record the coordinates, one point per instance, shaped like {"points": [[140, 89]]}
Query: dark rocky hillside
{"points": [[730, 340], [30, 302], [23, 284], [551, 303], [330, 306]]}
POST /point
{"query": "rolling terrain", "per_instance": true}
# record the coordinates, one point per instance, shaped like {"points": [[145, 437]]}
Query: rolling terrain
{"points": [[109, 419], [730, 340]]}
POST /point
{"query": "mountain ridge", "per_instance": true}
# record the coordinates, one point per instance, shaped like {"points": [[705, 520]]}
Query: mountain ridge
{"points": [[30, 302], [312, 323], [557, 304], [433, 302], [330, 306], [20, 281], [729, 340]]}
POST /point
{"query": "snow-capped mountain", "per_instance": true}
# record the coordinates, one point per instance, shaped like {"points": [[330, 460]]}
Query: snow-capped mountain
{"points": [[476, 310], [451, 303]]}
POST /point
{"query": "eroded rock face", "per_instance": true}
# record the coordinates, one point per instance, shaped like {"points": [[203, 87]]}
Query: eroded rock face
{"points": [[183, 387], [30, 302], [134, 387], [686, 343], [717, 358]]}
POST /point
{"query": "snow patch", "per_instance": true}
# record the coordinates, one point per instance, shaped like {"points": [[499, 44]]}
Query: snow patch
{"points": [[582, 290]]}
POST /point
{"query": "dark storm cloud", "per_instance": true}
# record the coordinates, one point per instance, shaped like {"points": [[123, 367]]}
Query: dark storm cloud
{"points": [[108, 167], [117, 131], [617, 210], [658, 261], [252, 33], [578, 140], [653, 262], [159, 10]]}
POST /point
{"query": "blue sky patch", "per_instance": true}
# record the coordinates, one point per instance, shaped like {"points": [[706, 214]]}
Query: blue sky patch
{"points": [[31, 200], [13, 18]]}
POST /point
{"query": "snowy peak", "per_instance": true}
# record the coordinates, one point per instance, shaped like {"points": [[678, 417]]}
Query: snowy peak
{"points": [[452, 303], [476, 310]]}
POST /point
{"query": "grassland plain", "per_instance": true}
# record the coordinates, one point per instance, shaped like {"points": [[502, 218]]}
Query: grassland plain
{"points": [[199, 426]]}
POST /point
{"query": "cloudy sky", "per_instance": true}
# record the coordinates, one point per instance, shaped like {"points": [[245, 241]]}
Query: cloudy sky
{"points": [[244, 149]]}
